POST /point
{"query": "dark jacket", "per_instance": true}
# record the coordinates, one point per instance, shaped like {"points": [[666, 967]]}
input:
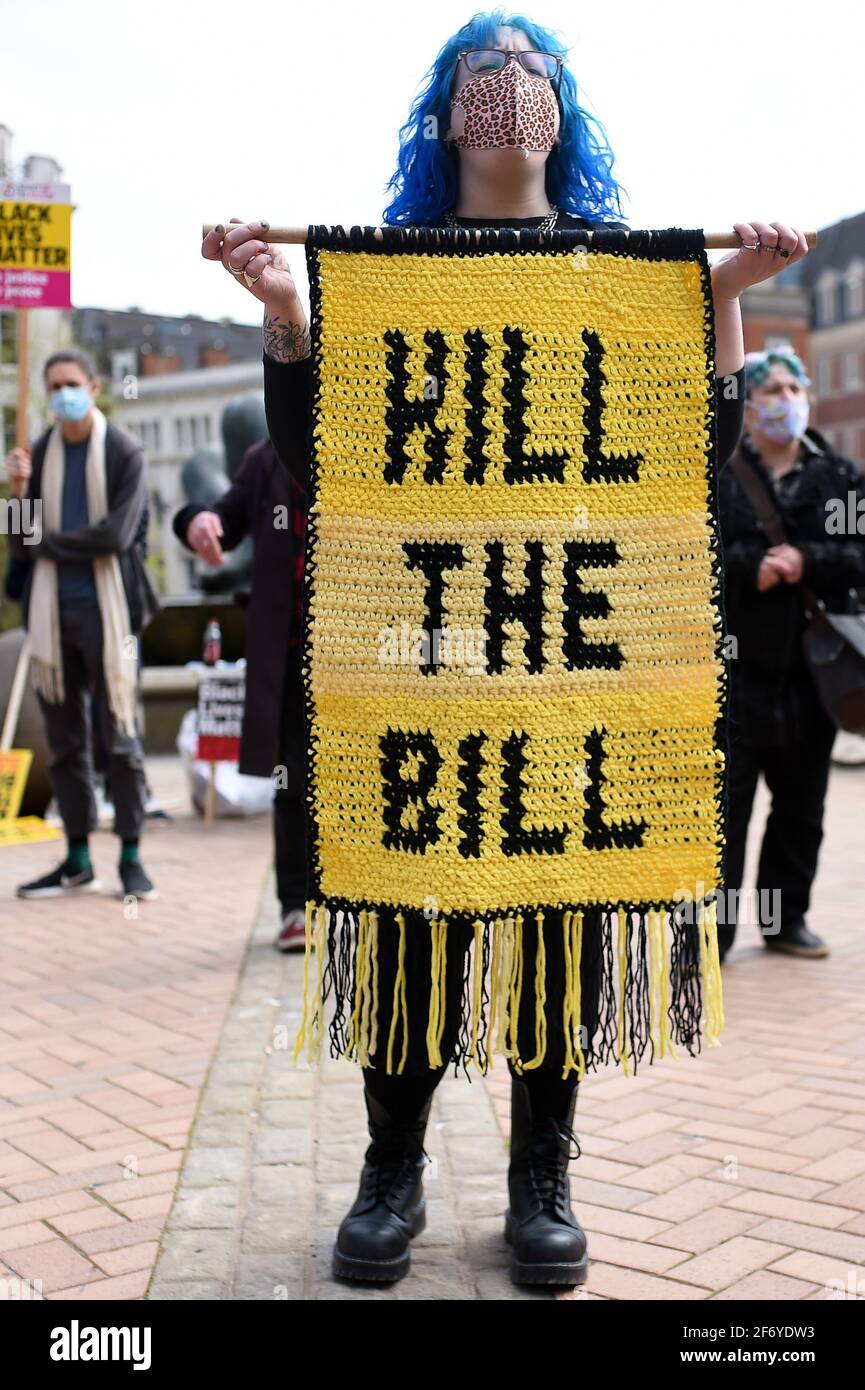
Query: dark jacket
{"points": [[16, 570], [116, 534], [247, 509], [773, 698]]}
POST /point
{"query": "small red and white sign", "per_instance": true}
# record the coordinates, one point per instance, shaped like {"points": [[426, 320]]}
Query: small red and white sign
{"points": [[221, 697]]}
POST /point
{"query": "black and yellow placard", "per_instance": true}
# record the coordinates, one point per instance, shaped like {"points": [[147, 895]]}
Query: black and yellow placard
{"points": [[514, 678], [14, 767], [35, 252], [15, 829]]}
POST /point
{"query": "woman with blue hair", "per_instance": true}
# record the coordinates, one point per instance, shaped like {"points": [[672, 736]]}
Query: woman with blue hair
{"points": [[778, 726], [496, 137]]}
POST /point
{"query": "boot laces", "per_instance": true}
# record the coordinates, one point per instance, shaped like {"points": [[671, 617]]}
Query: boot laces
{"points": [[392, 1163], [548, 1156]]}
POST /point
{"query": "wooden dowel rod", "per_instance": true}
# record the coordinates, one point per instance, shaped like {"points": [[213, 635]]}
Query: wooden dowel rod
{"points": [[16, 697], [22, 423], [296, 236]]}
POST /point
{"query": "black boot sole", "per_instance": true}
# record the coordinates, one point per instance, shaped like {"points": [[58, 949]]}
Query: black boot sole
{"points": [[805, 952], [379, 1271], [566, 1272]]}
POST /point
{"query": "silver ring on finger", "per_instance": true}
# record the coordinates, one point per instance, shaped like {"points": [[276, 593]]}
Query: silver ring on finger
{"points": [[250, 282], [232, 271]]}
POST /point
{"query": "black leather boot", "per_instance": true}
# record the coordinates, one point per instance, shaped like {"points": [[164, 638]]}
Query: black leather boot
{"points": [[549, 1244], [795, 939], [373, 1240]]}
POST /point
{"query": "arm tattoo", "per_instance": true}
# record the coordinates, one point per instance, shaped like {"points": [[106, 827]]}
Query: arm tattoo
{"points": [[285, 342]]}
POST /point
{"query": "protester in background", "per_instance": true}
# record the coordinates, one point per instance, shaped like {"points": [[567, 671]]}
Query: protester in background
{"points": [[265, 503], [85, 599], [777, 723], [16, 573]]}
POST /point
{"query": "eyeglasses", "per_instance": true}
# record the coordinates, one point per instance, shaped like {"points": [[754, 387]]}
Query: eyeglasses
{"points": [[484, 60]]}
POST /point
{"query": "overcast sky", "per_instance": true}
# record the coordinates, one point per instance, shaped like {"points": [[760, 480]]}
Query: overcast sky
{"points": [[169, 113]]}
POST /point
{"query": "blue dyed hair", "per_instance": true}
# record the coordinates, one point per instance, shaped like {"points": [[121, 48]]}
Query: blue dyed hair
{"points": [[426, 181], [758, 365]]}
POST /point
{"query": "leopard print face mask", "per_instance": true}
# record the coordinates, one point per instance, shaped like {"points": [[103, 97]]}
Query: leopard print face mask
{"points": [[507, 108]]}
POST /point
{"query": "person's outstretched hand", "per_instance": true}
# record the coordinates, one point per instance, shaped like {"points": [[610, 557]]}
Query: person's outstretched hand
{"points": [[241, 247], [735, 271], [202, 534]]}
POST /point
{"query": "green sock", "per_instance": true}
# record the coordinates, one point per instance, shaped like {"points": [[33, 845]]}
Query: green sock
{"points": [[129, 853], [78, 855]]}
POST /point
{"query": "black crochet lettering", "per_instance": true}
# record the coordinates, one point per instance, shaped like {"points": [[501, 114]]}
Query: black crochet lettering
{"points": [[471, 764], [399, 793], [405, 414], [581, 654], [598, 468], [598, 834], [503, 606], [518, 838], [433, 558], [477, 433], [523, 466]]}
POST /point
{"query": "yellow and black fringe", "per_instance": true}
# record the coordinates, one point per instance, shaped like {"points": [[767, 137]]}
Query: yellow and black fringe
{"points": [[629, 984]]}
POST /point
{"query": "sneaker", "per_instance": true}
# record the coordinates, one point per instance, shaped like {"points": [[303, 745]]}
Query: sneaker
{"points": [[135, 882], [292, 936], [63, 881]]}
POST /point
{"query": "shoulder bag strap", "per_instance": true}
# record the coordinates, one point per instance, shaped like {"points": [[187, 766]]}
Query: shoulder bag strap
{"points": [[768, 516]]}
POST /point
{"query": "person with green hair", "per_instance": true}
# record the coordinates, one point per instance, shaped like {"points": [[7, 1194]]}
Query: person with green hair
{"points": [[778, 726]]}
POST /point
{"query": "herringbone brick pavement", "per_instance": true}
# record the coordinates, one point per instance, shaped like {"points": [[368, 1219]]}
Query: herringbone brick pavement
{"points": [[108, 1021], [739, 1174]]}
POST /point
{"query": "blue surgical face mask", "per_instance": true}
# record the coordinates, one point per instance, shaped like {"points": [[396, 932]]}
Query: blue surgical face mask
{"points": [[782, 421], [71, 402]]}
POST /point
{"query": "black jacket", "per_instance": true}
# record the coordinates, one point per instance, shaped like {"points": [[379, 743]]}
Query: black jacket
{"points": [[18, 566], [247, 509], [116, 534], [772, 693]]}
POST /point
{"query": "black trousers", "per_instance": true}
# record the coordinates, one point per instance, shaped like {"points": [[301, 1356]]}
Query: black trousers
{"points": [[289, 811], [403, 1094], [69, 728], [797, 775]]}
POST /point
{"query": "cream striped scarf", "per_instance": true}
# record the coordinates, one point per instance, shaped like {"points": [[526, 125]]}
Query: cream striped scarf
{"points": [[119, 645]]}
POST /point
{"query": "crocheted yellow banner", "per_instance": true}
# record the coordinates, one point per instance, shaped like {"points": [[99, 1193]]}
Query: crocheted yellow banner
{"points": [[514, 640]]}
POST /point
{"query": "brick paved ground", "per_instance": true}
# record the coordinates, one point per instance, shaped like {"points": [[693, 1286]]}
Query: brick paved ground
{"points": [[274, 1163], [107, 1028], [741, 1173], [738, 1174]]}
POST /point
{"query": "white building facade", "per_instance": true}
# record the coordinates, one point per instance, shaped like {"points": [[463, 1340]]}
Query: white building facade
{"points": [[173, 415]]}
